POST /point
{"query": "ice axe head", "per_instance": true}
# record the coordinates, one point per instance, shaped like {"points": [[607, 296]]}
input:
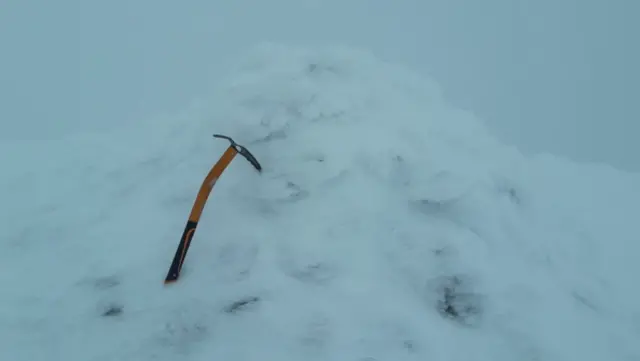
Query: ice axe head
{"points": [[242, 151]]}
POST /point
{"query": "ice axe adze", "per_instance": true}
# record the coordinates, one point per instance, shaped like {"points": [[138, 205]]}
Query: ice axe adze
{"points": [[201, 199]]}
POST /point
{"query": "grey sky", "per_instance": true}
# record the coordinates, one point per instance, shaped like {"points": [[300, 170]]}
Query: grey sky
{"points": [[546, 75]]}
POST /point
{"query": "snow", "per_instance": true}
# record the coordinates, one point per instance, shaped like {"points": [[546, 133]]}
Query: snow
{"points": [[380, 204]]}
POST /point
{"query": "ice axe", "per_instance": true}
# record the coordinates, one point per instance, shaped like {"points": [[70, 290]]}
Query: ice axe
{"points": [[207, 185]]}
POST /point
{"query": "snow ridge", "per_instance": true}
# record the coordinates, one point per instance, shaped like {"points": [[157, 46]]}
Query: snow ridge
{"points": [[387, 225]]}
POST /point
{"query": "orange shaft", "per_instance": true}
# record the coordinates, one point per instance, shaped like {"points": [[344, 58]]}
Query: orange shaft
{"points": [[210, 181]]}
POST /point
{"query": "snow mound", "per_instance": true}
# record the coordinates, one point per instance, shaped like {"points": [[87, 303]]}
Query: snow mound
{"points": [[387, 225]]}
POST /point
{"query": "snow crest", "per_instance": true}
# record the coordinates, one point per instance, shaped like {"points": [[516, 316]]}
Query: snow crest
{"points": [[386, 225]]}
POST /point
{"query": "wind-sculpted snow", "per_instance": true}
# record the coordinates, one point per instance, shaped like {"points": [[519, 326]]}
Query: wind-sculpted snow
{"points": [[387, 225]]}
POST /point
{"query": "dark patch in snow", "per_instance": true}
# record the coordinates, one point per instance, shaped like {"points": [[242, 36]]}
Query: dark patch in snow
{"points": [[503, 187], [584, 301], [317, 273], [311, 68], [314, 68], [104, 283], [456, 300], [113, 310], [513, 195], [409, 346], [328, 116], [274, 135], [430, 207], [446, 252], [292, 193], [180, 336], [297, 194], [241, 304]]}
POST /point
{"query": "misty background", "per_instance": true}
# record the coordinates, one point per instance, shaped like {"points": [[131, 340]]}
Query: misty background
{"points": [[557, 76]]}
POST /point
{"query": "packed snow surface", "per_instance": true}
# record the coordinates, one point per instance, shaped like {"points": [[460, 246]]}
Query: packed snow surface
{"points": [[386, 225]]}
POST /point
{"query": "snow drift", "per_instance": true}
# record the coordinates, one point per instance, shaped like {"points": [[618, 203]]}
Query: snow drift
{"points": [[387, 225]]}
